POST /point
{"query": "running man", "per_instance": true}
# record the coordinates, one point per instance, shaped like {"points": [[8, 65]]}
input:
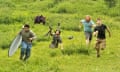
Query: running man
{"points": [[99, 31], [87, 24], [27, 37]]}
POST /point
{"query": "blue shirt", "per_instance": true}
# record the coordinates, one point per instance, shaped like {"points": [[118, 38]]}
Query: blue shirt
{"points": [[87, 25]]}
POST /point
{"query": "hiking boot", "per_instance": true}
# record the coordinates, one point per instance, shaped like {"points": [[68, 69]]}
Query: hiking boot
{"points": [[21, 58], [25, 58]]}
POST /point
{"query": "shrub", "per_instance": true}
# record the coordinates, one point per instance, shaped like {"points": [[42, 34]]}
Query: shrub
{"points": [[65, 7], [110, 3]]}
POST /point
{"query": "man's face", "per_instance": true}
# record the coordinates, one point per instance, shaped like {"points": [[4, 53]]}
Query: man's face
{"points": [[87, 18], [26, 29], [99, 22]]}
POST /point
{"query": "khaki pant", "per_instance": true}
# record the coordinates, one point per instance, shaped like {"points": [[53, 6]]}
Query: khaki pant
{"points": [[100, 43]]}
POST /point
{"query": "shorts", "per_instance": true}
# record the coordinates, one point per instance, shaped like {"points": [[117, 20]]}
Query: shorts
{"points": [[100, 43], [88, 35]]}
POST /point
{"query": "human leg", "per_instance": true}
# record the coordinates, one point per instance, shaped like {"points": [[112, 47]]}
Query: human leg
{"points": [[28, 51], [22, 53], [97, 47]]}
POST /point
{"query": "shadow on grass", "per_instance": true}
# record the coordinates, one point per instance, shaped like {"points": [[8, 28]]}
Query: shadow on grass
{"points": [[43, 39], [82, 51], [5, 46], [75, 51], [53, 54]]}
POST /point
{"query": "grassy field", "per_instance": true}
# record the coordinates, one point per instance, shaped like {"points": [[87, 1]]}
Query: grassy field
{"points": [[74, 57]]}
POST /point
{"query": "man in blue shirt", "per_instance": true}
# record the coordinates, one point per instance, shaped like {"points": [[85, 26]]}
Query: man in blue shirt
{"points": [[87, 23]]}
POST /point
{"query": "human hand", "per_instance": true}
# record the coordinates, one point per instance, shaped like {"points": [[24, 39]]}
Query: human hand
{"points": [[30, 39]]}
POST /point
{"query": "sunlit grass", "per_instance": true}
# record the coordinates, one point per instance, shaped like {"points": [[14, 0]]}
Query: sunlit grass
{"points": [[74, 57]]}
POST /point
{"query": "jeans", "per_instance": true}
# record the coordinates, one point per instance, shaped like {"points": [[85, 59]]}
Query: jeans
{"points": [[25, 50]]}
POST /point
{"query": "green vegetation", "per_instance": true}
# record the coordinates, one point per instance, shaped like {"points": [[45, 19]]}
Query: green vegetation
{"points": [[15, 13]]}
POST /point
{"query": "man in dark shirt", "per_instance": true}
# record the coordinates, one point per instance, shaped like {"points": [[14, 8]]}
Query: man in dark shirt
{"points": [[101, 37]]}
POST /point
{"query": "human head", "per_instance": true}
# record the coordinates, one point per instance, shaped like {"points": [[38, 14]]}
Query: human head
{"points": [[99, 21], [57, 32], [26, 27], [88, 18]]}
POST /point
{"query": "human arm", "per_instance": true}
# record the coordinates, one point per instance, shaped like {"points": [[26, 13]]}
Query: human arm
{"points": [[49, 32], [108, 30], [20, 32], [81, 24], [95, 33], [93, 24], [32, 36]]}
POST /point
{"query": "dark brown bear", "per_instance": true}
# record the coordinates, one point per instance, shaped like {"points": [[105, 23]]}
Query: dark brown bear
{"points": [[40, 19]]}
